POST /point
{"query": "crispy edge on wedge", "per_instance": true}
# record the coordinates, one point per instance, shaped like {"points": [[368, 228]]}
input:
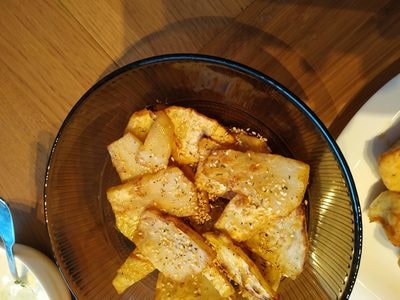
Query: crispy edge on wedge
{"points": [[168, 190], [190, 126], [140, 122], [239, 267], [385, 209], [123, 157], [135, 268], [197, 287], [219, 280]]}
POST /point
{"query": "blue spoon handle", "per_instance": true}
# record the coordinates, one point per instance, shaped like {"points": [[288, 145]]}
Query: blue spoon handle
{"points": [[11, 261], [7, 235]]}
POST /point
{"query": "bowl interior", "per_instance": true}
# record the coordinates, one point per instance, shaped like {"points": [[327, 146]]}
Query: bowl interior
{"points": [[88, 247]]}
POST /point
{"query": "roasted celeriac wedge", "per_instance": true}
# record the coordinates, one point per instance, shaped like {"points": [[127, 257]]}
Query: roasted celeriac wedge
{"points": [[271, 273], [168, 190], [189, 127], [218, 280], [135, 268], [282, 242], [246, 142], [239, 267], [241, 218], [132, 158], [123, 156], [271, 181], [127, 217], [171, 246], [197, 287], [157, 147], [385, 209], [140, 122], [206, 146]]}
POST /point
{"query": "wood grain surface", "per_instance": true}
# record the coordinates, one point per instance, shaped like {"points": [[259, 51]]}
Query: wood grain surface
{"points": [[332, 54]]}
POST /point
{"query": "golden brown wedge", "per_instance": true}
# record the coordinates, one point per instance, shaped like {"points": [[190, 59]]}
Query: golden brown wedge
{"points": [[127, 218], [172, 247], [246, 142], [156, 150], [271, 181], [190, 126], [135, 268], [272, 273], [385, 209], [239, 267], [218, 279], [132, 158], [241, 218], [123, 156], [140, 122], [206, 146], [282, 242], [196, 288], [169, 190]]}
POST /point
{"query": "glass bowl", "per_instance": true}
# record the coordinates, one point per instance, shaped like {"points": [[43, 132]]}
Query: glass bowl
{"points": [[87, 246]]}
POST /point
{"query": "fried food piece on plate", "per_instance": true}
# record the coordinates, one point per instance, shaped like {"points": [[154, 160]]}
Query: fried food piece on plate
{"points": [[385, 209], [171, 246], [389, 167]]}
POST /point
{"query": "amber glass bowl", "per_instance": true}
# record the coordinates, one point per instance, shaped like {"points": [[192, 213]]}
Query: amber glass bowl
{"points": [[87, 246]]}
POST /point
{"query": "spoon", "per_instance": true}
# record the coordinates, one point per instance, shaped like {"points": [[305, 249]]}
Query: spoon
{"points": [[7, 235]]}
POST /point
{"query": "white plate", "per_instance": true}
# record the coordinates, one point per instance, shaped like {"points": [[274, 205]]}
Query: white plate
{"points": [[370, 132]]}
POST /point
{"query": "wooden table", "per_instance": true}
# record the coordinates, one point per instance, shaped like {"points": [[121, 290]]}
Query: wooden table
{"points": [[334, 55]]}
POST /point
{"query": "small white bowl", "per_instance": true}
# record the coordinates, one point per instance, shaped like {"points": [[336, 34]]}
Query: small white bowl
{"points": [[40, 276]]}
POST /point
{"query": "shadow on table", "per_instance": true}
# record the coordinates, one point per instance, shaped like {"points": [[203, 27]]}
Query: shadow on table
{"points": [[248, 38], [30, 225], [263, 51], [29, 229]]}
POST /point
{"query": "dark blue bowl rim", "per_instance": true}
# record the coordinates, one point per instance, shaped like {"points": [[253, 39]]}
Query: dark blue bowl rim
{"points": [[269, 81]]}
